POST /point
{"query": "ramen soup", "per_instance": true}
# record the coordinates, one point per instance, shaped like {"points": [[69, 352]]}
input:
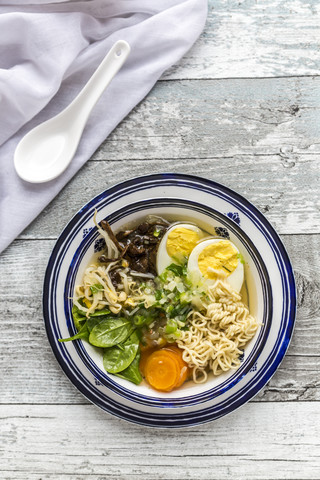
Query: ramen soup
{"points": [[163, 302]]}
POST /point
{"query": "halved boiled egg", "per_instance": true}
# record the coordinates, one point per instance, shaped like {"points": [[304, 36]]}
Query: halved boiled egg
{"points": [[176, 244], [217, 259]]}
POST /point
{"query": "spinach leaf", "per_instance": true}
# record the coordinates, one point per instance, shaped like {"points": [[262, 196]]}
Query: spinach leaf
{"points": [[79, 317], [93, 321], [132, 373], [82, 334], [110, 332], [116, 360]]}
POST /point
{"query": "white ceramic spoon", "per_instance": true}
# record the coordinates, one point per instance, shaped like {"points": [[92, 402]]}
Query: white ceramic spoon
{"points": [[46, 151]]}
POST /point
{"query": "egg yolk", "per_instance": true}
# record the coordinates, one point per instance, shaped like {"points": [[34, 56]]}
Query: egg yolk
{"points": [[219, 256], [181, 241]]}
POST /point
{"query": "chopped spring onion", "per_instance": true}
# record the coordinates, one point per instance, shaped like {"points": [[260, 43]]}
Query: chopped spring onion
{"points": [[158, 295], [241, 258], [171, 327]]}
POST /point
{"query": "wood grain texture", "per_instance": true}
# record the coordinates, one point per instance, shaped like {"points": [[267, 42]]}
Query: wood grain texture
{"points": [[28, 364], [64, 442], [220, 118], [250, 38], [290, 199], [258, 137]]}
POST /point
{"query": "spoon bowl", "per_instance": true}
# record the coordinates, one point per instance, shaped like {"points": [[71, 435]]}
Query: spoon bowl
{"points": [[47, 150]]}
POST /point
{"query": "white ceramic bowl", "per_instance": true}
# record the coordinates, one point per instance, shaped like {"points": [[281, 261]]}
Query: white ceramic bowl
{"points": [[269, 282]]}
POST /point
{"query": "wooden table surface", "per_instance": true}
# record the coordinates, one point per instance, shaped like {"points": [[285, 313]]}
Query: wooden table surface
{"points": [[242, 108]]}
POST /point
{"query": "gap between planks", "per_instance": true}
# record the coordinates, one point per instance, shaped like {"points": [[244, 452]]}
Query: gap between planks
{"points": [[267, 77]]}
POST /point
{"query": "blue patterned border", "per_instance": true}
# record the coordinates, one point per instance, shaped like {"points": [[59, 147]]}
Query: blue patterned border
{"points": [[203, 414]]}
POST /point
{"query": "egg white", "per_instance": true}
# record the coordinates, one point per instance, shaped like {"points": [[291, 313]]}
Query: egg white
{"points": [[163, 258], [235, 279]]}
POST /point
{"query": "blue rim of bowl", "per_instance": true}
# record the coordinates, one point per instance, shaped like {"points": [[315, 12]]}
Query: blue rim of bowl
{"points": [[287, 320]]}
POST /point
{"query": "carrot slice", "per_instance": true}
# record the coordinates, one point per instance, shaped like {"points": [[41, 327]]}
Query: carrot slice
{"points": [[162, 370], [184, 369]]}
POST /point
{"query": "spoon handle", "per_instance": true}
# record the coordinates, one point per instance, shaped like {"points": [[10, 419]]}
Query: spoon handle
{"points": [[94, 88]]}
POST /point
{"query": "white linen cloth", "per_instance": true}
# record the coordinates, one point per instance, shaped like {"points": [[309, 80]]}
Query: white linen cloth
{"points": [[48, 51]]}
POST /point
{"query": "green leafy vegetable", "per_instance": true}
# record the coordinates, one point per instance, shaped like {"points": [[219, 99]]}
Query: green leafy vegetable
{"points": [[110, 332], [116, 360], [79, 317], [95, 320], [132, 373], [82, 334]]}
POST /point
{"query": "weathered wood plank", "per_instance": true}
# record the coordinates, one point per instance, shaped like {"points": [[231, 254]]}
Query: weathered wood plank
{"points": [[27, 362], [259, 137], [84, 442], [220, 118], [289, 197], [255, 39]]}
